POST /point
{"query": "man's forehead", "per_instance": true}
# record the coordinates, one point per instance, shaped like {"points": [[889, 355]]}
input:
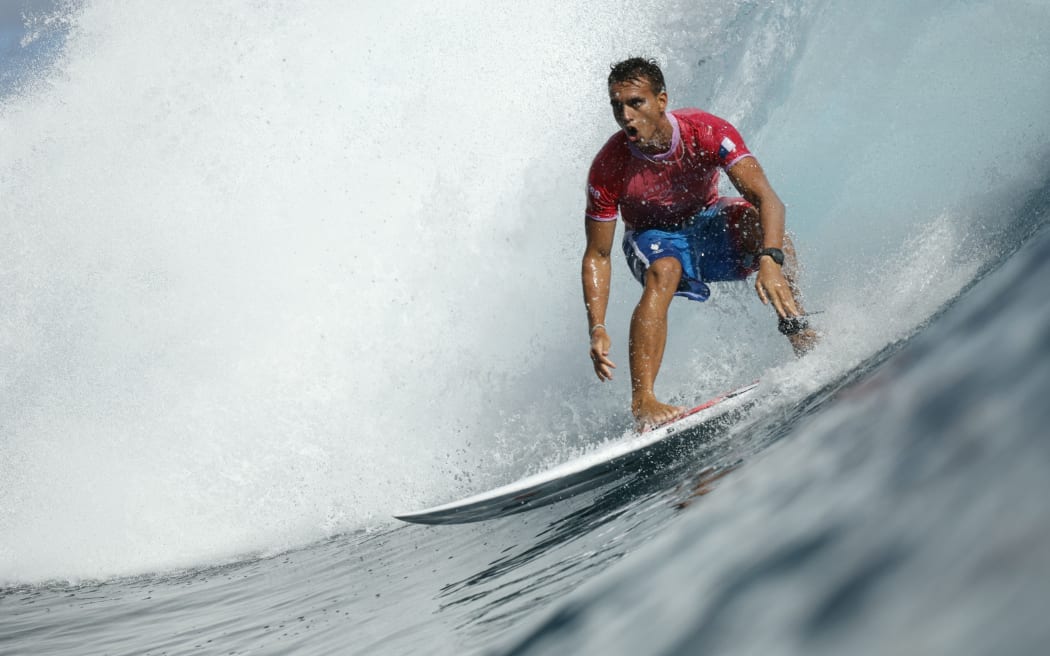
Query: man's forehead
{"points": [[630, 87]]}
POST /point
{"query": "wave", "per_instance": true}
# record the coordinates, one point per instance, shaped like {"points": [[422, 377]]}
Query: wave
{"points": [[271, 271]]}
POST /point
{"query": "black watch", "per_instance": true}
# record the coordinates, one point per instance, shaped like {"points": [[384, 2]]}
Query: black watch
{"points": [[775, 253]]}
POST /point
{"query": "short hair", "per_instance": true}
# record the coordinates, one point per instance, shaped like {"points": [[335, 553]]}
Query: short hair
{"points": [[635, 69]]}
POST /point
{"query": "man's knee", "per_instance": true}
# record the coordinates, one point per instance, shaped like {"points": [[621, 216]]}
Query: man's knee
{"points": [[743, 221], [664, 273]]}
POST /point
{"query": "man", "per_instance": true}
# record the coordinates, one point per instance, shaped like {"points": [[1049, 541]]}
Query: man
{"points": [[660, 174]]}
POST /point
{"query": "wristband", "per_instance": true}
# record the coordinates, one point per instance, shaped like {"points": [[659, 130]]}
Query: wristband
{"points": [[793, 325], [596, 327]]}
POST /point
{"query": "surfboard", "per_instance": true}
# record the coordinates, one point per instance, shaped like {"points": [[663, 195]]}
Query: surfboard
{"points": [[579, 475]]}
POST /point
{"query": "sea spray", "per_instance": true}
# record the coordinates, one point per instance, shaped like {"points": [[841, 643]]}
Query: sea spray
{"points": [[272, 272]]}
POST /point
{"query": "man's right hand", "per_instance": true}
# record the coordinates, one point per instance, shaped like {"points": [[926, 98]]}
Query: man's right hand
{"points": [[603, 366]]}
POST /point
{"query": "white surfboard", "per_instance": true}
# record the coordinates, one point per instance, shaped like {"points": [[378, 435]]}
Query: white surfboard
{"points": [[576, 476]]}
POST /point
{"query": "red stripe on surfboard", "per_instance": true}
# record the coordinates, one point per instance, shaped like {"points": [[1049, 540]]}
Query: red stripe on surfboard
{"points": [[702, 406]]}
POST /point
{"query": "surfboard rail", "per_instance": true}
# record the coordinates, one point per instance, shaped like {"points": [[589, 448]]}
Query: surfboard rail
{"points": [[575, 476]]}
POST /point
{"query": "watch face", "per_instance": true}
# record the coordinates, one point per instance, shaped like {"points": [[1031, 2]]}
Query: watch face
{"points": [[775, 254]]}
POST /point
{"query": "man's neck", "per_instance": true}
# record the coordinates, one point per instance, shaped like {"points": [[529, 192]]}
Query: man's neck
{"points": [[665, 142], [662, 139]]}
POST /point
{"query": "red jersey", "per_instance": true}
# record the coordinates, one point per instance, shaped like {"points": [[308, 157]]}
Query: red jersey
{"points": [[662, 191]]}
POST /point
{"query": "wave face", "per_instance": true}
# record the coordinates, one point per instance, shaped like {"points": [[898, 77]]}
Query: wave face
{"points": [[899, 517], [271, 272]]}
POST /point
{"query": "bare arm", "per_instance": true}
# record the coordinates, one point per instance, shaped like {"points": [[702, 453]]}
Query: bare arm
{"points": [[749, 178], [596, 274]]}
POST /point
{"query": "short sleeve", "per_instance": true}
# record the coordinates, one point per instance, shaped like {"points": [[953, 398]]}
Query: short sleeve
{"points": [[728, 142], [604, 182]]}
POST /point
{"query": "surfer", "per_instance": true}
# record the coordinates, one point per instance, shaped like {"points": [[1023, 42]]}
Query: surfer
{"points": [[659, 173]]}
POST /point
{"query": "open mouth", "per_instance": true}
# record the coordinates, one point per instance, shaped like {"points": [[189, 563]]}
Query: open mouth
{"points": [[632, 132]]}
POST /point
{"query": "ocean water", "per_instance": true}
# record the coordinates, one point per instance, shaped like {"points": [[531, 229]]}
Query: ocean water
{"points": [[272, 272]]}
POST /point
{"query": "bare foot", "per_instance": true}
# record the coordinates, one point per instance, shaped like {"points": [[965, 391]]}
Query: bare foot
{"points": [[803, 341], [650, 413]]}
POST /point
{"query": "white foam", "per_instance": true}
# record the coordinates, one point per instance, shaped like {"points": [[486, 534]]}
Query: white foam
{"points": [[270, 272]]}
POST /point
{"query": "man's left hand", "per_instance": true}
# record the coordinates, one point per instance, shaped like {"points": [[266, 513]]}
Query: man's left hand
{"points": [[773, 288]]}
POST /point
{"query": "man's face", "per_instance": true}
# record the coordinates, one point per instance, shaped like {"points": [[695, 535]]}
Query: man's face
{"points": [[638, 110]]}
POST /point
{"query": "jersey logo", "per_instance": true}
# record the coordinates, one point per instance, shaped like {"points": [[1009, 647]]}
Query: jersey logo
{"points": [[727, 146], [594, 192]]}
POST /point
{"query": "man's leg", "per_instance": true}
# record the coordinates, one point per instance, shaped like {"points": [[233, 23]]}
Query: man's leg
{"points": [[647, 340]]}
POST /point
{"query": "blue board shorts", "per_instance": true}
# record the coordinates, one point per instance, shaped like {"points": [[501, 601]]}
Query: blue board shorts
{"points": [[709, 246]]}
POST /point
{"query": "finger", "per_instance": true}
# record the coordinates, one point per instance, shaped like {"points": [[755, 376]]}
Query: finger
{"points": [[605, 362], [602, 365], [603, 372], [787, 300], [599, 357], [761, 293], [788, 303], [777, 304]]}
